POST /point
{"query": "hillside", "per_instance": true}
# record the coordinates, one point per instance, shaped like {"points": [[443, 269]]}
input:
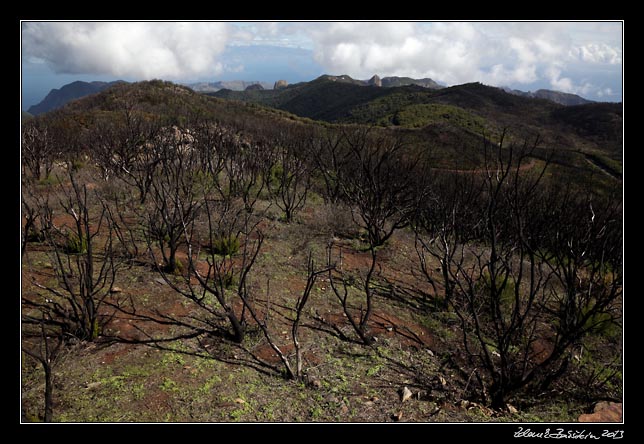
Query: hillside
{"points": [[581, 137], [467, 108], [251, 265], [75, 90]]}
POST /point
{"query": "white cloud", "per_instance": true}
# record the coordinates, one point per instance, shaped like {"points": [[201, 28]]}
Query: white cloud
{"points": [[570, 56], [362, 49], [142, 50], [504, 53], [597, 53]]}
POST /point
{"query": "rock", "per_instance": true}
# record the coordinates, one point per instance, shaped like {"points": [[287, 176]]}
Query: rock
{"points": [[431, 353], [332, 399], [93, 385], [375, 81], [116, 290], [604, 412], [442, 380], [397, 416], [254, 87], [512, 409], [368, 403], [160, 281], [405, 394], [280, 84], [240, 401]]}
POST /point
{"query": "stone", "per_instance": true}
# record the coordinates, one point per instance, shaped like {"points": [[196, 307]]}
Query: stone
{"points": [[240, 401], [604, 412], [116, 289], [375, 81], [93, 385], [280, 84], [397, 416], [332, 399], [405, 394], [512, 409]]}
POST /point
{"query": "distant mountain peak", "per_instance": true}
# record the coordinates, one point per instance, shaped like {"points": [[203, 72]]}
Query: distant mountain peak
{"points": [[233, 85], [562, 98], [58, 98], [387, 82]]}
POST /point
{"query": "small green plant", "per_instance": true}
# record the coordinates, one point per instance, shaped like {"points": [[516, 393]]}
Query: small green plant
{"points": [[77, 164], [168, 385], [34, 235], [49, 180], [75, 244], [229, 280], [603, 323], [225, 245], [316, 412], [374, 370]]}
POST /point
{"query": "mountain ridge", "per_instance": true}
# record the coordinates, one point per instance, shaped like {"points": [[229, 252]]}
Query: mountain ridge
{"points": [[233, 85], [446, 122], [58, 97], [562, 98]]}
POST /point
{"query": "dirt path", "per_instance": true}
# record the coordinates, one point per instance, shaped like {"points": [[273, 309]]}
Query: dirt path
{"points": [[606, 170], [523, 167]]}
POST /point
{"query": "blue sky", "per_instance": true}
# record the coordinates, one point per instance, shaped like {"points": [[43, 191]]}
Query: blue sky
{"points": [[584, 58]]}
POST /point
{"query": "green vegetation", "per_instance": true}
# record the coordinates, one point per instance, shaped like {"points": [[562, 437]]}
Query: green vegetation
{"points": [[75, 244], [227, 245], [416, 116]]}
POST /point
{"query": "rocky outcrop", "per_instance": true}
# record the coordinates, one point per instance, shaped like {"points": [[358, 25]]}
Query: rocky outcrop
{"points": [[604, 412], [375, 81], [254, 87], [280, 84]]}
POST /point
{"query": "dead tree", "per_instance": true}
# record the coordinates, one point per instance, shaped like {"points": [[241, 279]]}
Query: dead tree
{"points": [[380, 180], [245, 163], [520, 300], [36, 214], [122, 146], [445, 221], [290, 178], [84, 263], [311, 278], [173, 189], [291, 370], [37, 148], [329, 154], [46, 352]]}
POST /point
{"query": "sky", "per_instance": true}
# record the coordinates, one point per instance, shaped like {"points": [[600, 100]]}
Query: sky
{"points": [[584, 58]]}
